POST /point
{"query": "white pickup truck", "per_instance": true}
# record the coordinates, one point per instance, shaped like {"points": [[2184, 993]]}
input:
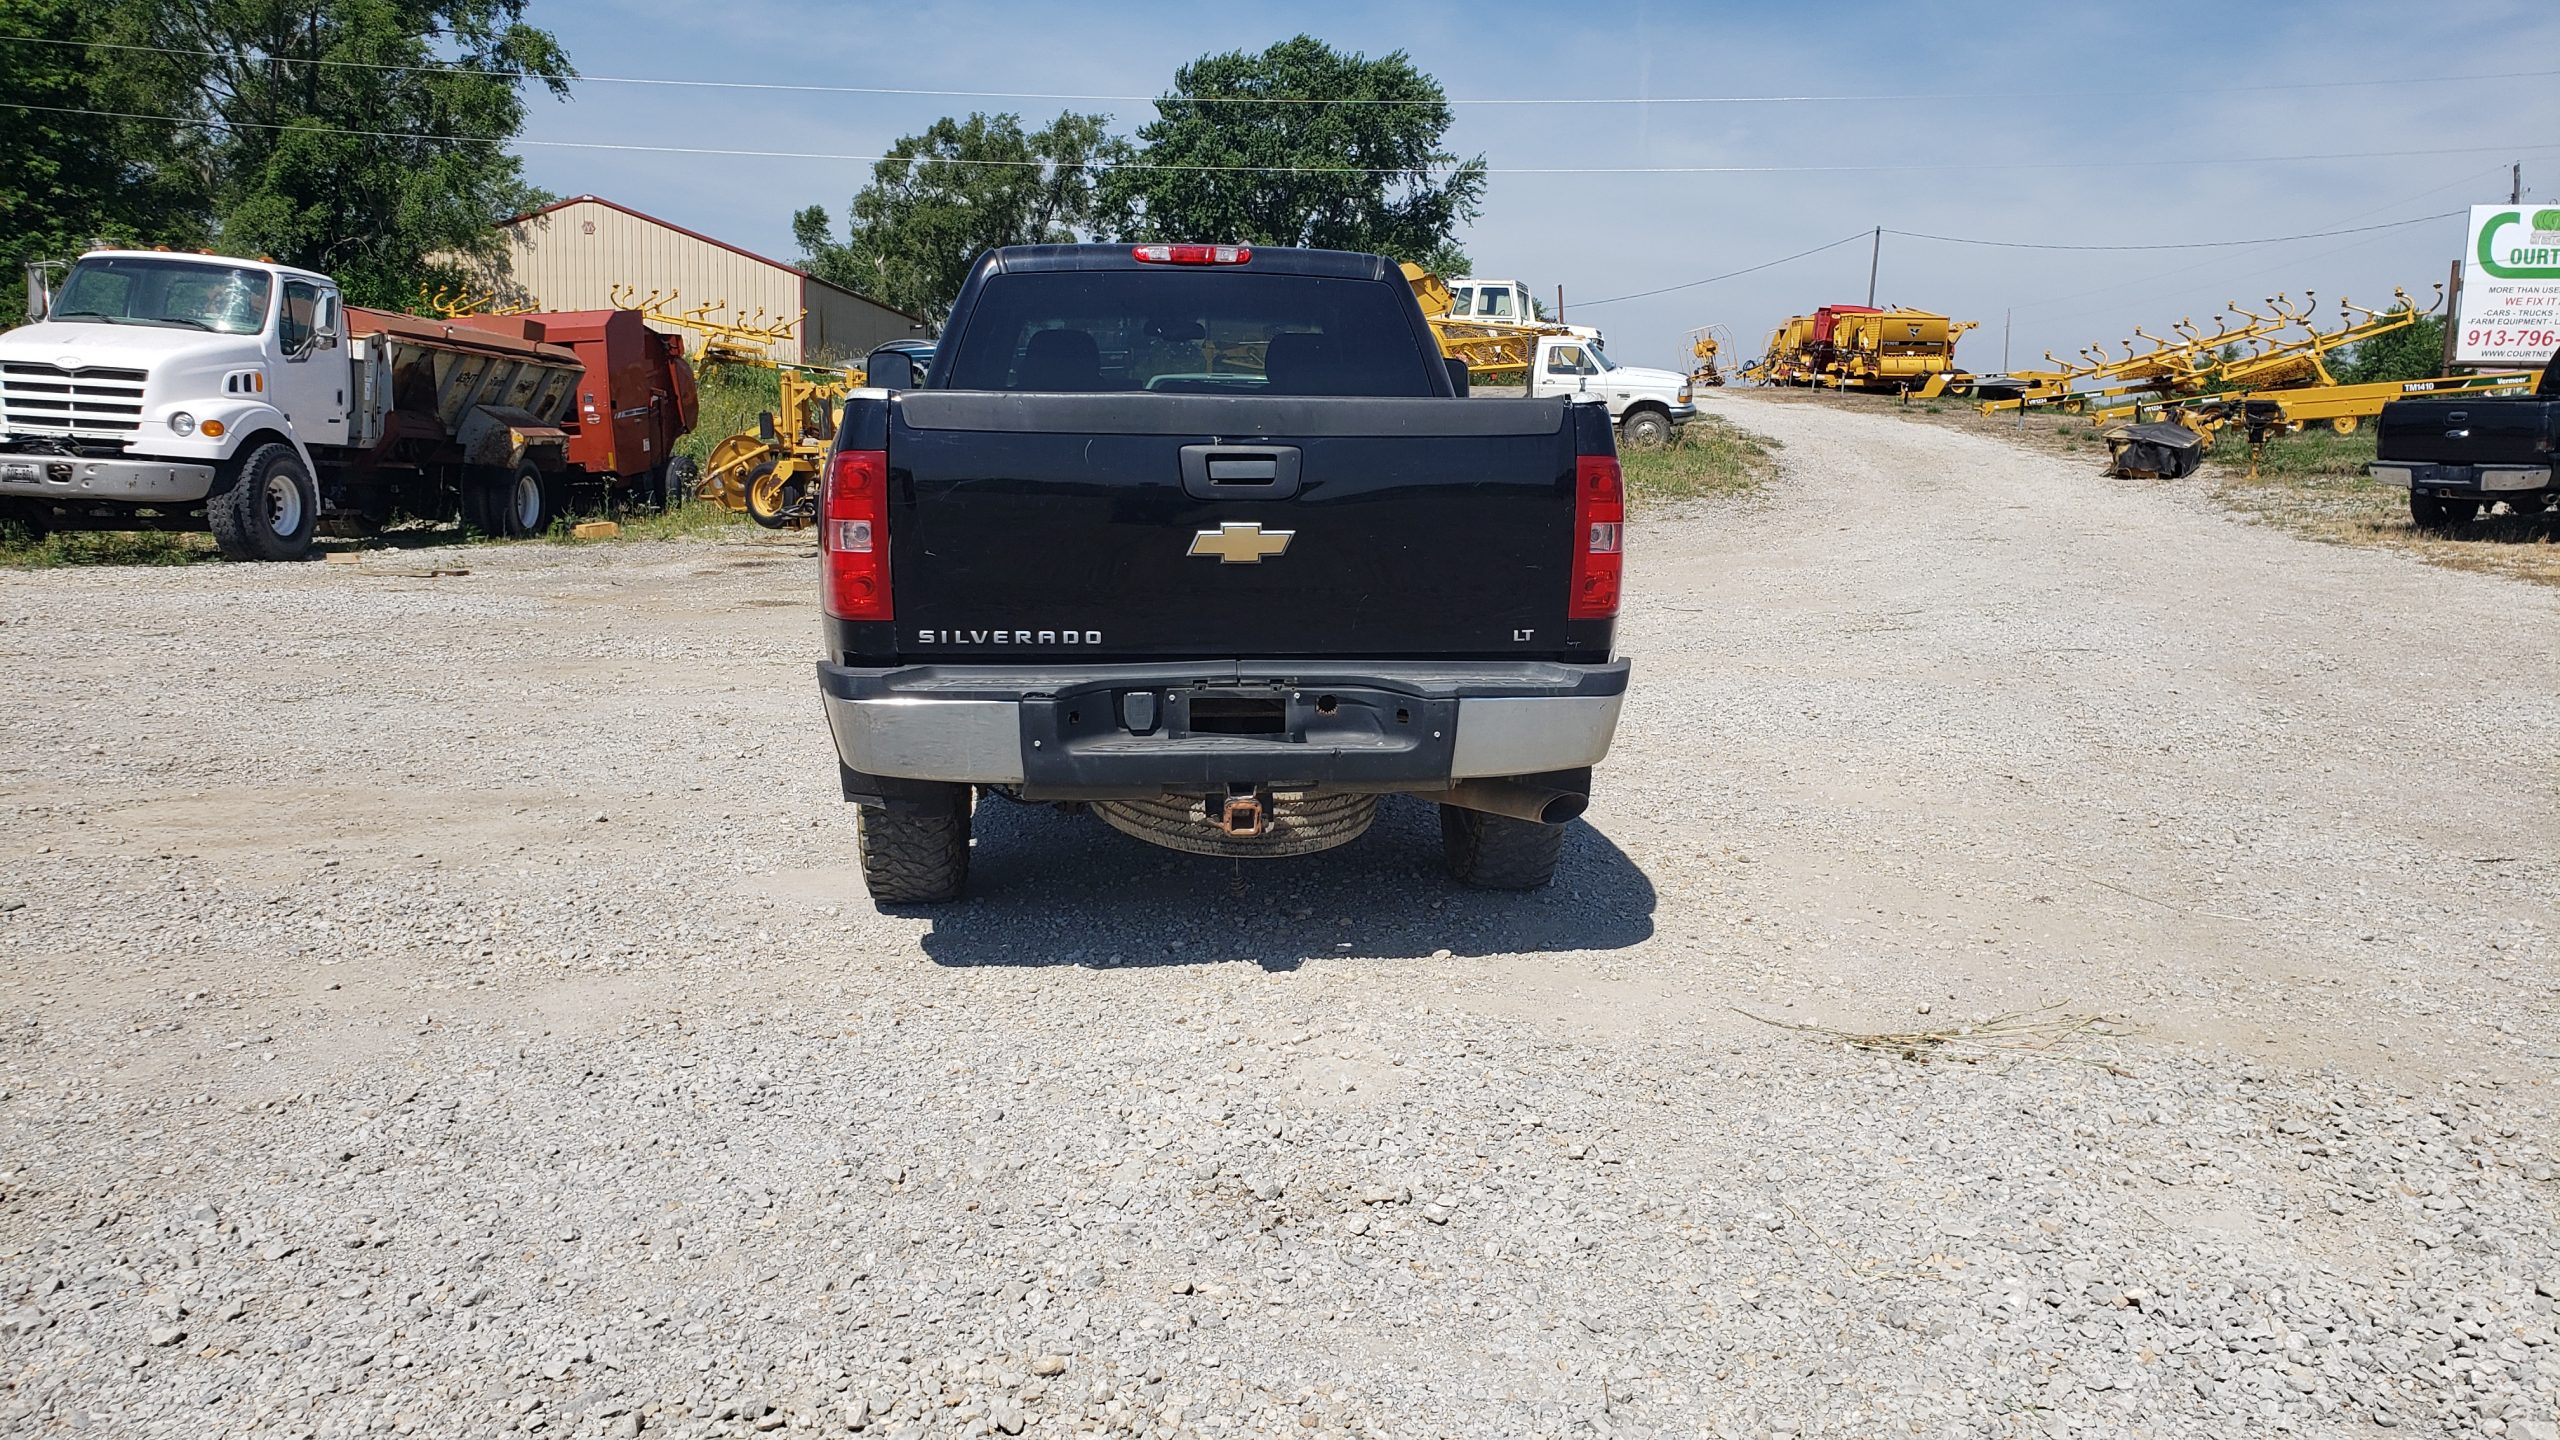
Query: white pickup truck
{"points": [[1649, 406]]}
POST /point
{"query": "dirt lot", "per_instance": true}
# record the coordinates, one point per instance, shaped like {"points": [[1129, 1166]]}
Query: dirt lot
{"points": [[443, 1006]]}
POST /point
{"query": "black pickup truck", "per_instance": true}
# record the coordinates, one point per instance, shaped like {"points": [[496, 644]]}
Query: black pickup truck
{"points": [[1206, 539], [2456, 456]]}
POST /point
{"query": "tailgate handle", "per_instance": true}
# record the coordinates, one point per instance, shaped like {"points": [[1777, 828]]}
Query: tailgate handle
{"points": [[1240, 472]]}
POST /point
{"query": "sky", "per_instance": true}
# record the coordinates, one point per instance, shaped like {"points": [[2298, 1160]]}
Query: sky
{"points": [[2147, 124]]}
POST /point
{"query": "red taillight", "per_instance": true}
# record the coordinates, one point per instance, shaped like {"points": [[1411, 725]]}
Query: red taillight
{"points": [[1192, 254], [1599, 524], [853, 537]]}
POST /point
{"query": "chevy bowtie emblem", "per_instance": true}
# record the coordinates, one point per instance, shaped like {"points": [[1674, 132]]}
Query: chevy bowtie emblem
{"points": [[1241, 542]]}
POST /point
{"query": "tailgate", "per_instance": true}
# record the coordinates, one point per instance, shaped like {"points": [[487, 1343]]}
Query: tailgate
{"points": [[1117, 526], [2514, 430]]}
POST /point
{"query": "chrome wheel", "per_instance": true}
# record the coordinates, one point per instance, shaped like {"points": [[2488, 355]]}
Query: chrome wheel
{"points": [[284, 504]]}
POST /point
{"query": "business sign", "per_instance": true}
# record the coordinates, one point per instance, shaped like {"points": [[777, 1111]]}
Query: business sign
{"points": [[2510, 312]]}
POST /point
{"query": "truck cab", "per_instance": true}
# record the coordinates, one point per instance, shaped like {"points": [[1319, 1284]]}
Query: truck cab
{"points": [[1649, 406], [150, 371], [1505, 302]]}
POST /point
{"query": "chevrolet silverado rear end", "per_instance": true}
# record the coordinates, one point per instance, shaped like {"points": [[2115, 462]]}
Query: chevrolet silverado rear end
{"points": [[1207, 540]]}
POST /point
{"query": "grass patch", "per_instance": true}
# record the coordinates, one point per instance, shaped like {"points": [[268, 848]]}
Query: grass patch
{"points": [[731, 398], [690, 520], [2314, 485], [2311, 455], [21, 550], [1711, 457]]}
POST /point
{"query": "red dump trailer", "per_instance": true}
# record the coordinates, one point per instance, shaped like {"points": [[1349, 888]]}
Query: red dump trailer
{"points": [[634, 401]]}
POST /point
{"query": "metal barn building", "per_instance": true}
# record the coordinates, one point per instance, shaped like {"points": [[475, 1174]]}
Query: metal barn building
{"points": [[584, 252]]}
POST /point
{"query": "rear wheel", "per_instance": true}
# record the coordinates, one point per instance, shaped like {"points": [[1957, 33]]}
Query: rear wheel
{"points": [[529, 504], [684, 476], [917, 854], [2441, 512], [271, 510], [1496, 852]]}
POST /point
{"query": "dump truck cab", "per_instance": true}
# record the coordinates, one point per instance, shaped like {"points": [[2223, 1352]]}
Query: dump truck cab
{"points": [[149, 371], [1505, 302]]}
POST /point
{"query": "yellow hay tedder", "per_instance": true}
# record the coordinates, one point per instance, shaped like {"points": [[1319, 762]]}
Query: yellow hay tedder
{"points": [[2268, 372], [771, 473]]}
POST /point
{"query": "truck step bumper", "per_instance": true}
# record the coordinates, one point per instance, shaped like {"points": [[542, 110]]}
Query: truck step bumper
{"points": [[1100, 732], [72, 477], [2461, 479]]}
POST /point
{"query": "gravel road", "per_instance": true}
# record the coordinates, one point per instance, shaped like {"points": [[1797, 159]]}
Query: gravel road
{"points": [[443, 1006]]}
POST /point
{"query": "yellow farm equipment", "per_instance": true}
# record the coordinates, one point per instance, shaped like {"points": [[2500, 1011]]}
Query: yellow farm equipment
{"points": [[1497, 352], [1706, 344], [2207, 380], [1858, 347], [771, 473], [2342, 408]]}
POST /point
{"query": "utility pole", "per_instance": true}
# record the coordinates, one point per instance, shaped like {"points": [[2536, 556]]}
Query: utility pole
{"points": [[1559, 304], [1874, 252], [2004, 341], [2515, 183]]}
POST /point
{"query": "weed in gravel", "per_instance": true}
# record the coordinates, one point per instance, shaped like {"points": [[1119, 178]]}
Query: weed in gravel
{"points": [[1711, 457]]}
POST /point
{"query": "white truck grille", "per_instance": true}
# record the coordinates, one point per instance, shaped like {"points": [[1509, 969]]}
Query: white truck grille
{"points": [[47, 399]]}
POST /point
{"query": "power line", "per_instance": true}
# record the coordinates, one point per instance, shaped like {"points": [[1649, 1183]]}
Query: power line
{"points": [[1729, 274], [794, 87], [2175, 245], [2138, 282], [726, 152]]}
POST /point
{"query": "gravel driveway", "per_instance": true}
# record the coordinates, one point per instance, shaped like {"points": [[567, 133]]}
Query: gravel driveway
{"points": [[443, 1006]]}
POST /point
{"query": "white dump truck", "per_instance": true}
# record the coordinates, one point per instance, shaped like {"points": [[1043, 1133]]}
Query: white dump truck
{"points": [[162, 390]]}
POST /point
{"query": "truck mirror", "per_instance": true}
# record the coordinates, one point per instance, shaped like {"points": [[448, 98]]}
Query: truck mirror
{"points": [[1457, 376], [39, 291], [890, 370]]}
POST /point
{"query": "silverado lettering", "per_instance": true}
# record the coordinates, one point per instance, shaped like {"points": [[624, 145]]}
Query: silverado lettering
{"points": [[1008, 637], [1441, 625]]}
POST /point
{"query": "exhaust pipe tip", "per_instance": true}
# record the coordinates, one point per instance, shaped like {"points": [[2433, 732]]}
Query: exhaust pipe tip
{"points": [[1517, 800]]}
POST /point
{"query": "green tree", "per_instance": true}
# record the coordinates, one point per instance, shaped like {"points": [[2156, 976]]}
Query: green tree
{"points": [[366, 139], [1250, 155], [939, 199], [2413, 352], [75, 178]]}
